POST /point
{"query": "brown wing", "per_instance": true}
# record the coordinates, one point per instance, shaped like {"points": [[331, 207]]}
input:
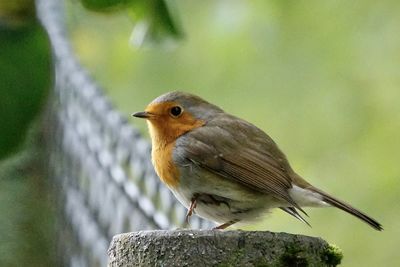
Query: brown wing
{"points": [[237, 150]]}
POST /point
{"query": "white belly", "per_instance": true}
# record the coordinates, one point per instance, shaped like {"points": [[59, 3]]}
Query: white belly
{"points": [[233, 203]]}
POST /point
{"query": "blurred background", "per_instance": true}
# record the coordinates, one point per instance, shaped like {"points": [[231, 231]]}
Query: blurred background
{"points": [[322, 78]]}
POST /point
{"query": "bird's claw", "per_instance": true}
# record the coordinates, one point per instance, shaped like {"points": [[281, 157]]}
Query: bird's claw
{"points": [[190, 211]]}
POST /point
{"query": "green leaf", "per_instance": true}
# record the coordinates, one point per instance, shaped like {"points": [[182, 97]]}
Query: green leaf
{"points": [[155, 20], [155, 23], [25, 78], [106, 5]]}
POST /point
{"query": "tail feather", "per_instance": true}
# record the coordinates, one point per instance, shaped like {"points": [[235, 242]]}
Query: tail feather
{"points": [[292, 211], [347, 208]]}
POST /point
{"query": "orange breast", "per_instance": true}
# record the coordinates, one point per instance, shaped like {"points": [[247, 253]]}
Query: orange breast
{"points": [[164, 130], [164, 165]]}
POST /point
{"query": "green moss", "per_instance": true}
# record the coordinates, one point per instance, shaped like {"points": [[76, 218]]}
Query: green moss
{"points": [[294, 256], [332, 255], [235, 257], [262, 263]]}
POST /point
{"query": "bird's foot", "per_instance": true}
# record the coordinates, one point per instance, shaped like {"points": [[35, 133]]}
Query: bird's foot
{"points": [[190, 211], [225, 225]]}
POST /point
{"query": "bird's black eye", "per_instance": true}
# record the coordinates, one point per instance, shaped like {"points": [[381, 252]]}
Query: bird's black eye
{"points": [[175, 111]]}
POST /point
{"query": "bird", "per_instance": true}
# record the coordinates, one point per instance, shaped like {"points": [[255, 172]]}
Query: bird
{"points": [[225, 169]]}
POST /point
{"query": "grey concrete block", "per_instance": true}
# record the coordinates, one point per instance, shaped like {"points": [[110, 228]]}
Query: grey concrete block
{"points": [[220, 248]]}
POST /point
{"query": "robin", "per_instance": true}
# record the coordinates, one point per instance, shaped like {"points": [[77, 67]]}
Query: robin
{"points": [[225, 169]]}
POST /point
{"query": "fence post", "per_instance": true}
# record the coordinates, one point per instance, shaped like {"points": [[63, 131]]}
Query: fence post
{"points": [[220, 248]]}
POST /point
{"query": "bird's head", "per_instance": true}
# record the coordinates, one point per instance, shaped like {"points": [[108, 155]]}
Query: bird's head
{"points": [[174, 114]]}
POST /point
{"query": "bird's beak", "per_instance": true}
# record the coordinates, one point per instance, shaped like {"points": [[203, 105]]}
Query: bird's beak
{"points": [[142, 114]]}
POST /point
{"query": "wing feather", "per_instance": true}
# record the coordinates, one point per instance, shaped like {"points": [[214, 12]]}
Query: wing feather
{"points": [[229, 153]]}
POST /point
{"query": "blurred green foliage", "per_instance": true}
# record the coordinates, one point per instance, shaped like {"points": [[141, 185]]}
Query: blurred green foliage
{"points": [[16, 12], [106, 5], [321, 77], [26, 225], [154, 22], [26, 73]]}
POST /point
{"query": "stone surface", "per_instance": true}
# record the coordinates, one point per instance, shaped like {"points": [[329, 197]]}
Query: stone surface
{"points": [[220, 248]]}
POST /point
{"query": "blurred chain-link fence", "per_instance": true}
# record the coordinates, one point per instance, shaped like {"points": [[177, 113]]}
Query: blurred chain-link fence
{"points": [[100, 164]]}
